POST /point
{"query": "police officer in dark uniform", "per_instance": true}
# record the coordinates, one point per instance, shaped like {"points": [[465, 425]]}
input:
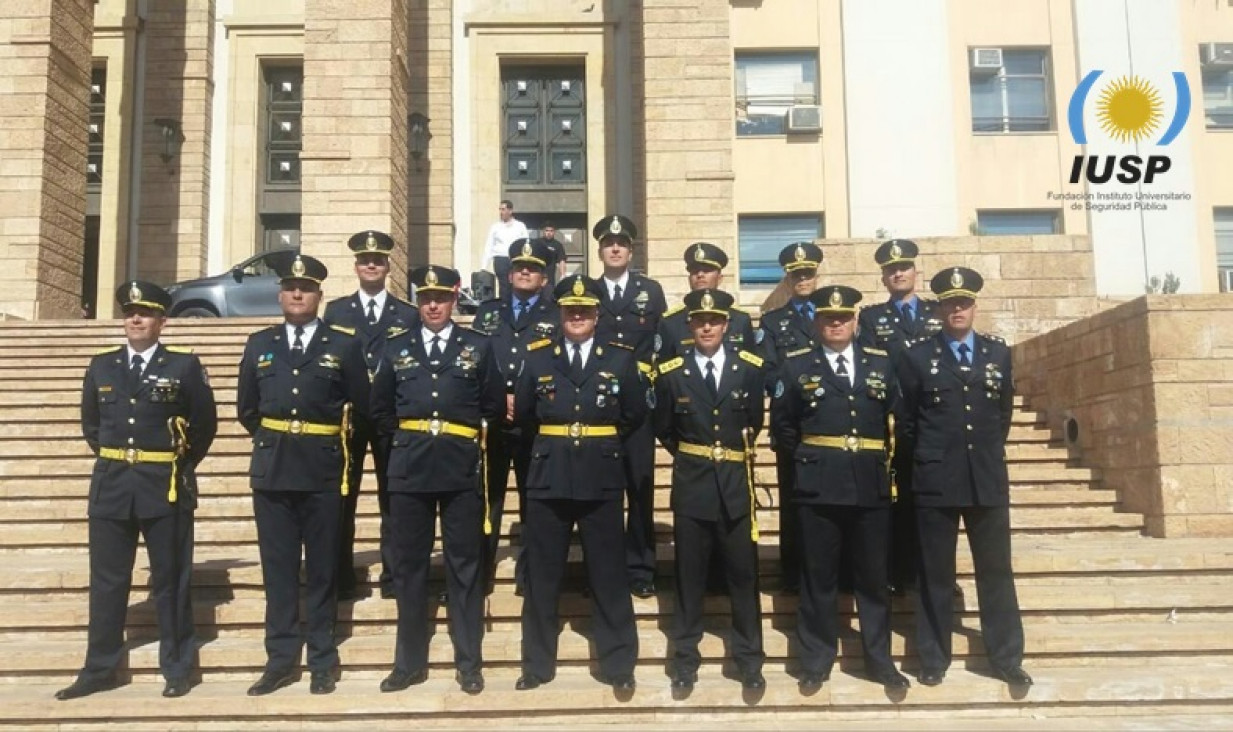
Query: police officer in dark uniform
{"points": [[512, 323], [833, 410], [891, 325], [148, 413], [375, 314], [958, 394], [790, 330], [631, 306], [430, 395], [303, 384], [708, 412], [579, 398], [705, 263]]}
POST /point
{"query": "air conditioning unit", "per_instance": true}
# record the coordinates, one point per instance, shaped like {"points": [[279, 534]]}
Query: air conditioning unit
{"points": [[985, 60], [804, 118], [1226, 279], [1216, 55]]}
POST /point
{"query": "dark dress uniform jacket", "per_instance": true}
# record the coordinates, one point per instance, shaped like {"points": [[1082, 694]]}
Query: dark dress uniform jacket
{"points": [[312, 387], [882, 325], [674, 335], [510, 337], [611, 392], [685, 411], [173, 384], [784, 330], [815, 401], [462, 388], [632, 321], [958, 422], [398, 316]]}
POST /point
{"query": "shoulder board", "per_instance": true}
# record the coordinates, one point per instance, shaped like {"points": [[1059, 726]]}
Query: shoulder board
{"points": [[751, 358], [918, 341], [670, 365], [622, 346], [799, 352], [342, 329], [995, 339], [646, 368], [674, 309], [536, 345], [109, 349], [178, 349], [395, 331], [875, 351]]}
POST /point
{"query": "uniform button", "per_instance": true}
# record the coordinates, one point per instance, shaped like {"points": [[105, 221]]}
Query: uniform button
{"points": [[965, 388], [370, 357], [435, 376], [295, 372], [514, 349], [618, 318], [512, 367], [851, 397], [295, 390], [969, 428], [434, 395], [717, 427], [620, 335], [132, 401], [854, 413], [715, 412], [577, 408], [436, 414], [130, 440], [132, 420], [969, 447], [294, 412], [509, 384], [967, 407]]}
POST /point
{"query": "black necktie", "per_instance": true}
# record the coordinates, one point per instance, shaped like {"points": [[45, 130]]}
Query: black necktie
{"points": [[575, 363], [964, 361], [134, 370], [616, 293], [434, 350], [908, 317], [372, 312], [841, 368], [297, 346], [712, 382], [807, 311], [520, 310]]}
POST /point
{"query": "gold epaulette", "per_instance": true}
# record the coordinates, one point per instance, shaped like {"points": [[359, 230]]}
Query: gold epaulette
{"points": [[178, 349], [646, 368], [799, 352], [876, 351], [673, 310], [342, 329], [108, 349], [670, 365], [535, 345], [624, 346], [754, 359]]}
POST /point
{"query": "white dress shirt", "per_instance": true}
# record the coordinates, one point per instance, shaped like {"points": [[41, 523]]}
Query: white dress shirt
{"points": [[146, 355], [585, 346], [832, 357], [623, 281], [500, 236], [309, 330], [717, 359]]}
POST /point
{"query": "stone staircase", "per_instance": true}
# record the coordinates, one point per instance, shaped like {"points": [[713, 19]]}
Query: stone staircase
{"points": [[1119, 627]]}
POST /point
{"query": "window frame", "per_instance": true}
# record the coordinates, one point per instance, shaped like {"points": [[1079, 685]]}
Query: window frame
{"points": [[1058, 225], [1006, 120], [744, 258], [1205, 75], [741, 102]]}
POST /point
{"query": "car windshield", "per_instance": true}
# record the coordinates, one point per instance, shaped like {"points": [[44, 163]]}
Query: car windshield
{"points": [[260, 266]]}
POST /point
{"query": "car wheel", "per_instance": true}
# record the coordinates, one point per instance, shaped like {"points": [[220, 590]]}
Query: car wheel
{"points": [[196, 313]]}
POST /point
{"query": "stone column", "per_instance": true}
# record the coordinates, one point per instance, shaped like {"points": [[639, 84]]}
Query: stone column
{"points": [[45, 68], [430, 216], [354, 156], [172, 235], [688, 123]]}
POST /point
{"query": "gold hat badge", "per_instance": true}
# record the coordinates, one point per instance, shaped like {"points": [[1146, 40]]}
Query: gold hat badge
{"points": [[431, 278], [579, 289], [615, 226], [371, 242], [799, 253], [526, 249], [708, 302], [836, 299], [134, 293], [895, 251], [297, 267], [699, 253], [956, 279]]}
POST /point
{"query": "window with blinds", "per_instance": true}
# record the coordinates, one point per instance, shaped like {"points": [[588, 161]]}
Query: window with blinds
{"points": [[1223, 221], [768, 85], [1019, 222], [1015, 97], [761, 237]]}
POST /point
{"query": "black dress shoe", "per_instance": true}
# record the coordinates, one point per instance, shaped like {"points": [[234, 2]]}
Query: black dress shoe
{"points": [[519, 591], [176, 687], [684, 681], [623, 682], [399, 680], [526, 682], [471, 682], [753, 681], [890, 679], [931, 677], [322, 682], [1015, 676], [642, 588], [387, 591], [271, 681], [85, 687], [813, 680]]}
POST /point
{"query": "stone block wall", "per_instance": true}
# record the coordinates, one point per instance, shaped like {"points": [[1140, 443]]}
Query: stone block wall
{"points": [[1149, 385]]}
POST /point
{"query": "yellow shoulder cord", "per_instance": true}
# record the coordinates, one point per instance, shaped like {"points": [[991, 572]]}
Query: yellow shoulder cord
{"points": [[346, 446], [179, 441], [483, 436], [749, 479], [890, 456]]}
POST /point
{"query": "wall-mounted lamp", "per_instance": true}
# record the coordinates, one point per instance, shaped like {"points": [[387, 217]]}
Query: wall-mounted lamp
{"points": [[172, 138], [418, 136]]}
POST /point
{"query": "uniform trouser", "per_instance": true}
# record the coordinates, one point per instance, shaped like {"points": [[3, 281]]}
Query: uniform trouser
{"points": [[988, 530], [694, 540], [825, 530], [505, 447], [640, 493], [286, 522], [789, 519], [113, 548], [411, 539], [360, 443], [903, 526], [549, 525]]}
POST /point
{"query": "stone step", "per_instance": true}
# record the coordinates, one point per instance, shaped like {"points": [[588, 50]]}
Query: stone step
{"points": [[576, 696]]}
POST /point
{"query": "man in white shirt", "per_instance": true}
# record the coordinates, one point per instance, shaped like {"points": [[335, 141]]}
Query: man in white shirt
{"points": [[504, 232]]}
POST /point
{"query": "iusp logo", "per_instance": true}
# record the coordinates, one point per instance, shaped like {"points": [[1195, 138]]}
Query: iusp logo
{"points": [[1129, 109]]}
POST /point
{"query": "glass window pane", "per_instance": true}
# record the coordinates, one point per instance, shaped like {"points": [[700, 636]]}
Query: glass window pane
{"points": [[987, 110], [1218, 98], [1017, 62], [1018, 223], [1224, 237], [768, 84], [762, 237]]}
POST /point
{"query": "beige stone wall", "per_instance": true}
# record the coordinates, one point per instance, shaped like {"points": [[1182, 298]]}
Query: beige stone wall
{"points": [[354, 157], [1150, 386], [172, 226], [430, 212], [45, 73]]}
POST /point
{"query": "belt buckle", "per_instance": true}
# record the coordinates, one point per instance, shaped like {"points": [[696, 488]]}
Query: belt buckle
{"points": [[131, 455], [717, 453], [575, 430], [852, 443], [295, 426], [434, 427]]}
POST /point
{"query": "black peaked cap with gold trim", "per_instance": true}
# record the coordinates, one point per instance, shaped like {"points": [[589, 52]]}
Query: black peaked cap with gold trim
{"points": [[138, 293], [708, 301], [835, 300], [577, 289], [532, 251], [956, 282], [432, 278], [896, 251], [294, 266], [705, 254], [371, 242], [615, 225], [801, 255]]}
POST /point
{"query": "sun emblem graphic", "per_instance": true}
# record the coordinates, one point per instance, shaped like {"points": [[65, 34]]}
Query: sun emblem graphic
{"points": [[1129, 109]]}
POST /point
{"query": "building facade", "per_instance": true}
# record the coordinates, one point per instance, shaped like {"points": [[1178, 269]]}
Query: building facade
{"points": [[167, 140]]}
